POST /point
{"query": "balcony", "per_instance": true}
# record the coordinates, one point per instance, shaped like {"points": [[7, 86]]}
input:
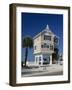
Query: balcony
{"points": [[47, 48]]}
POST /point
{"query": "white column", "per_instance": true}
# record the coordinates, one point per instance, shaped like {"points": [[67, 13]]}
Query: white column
{"points": [[41, 59], [36, 61], [50, 59]]}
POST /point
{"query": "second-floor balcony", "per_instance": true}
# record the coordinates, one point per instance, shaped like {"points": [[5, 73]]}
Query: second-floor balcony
{"points": [[44, 48]]}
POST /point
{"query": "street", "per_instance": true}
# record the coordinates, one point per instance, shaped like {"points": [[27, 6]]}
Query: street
{"points": [[43, 71]]}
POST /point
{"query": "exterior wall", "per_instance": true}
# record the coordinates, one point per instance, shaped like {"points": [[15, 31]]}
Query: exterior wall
{"points": [[40, 41], [47, 50], [37, 43]]}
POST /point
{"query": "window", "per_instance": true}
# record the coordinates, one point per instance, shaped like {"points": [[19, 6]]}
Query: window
{"points": [[42, 46], [46, 37], [51, 47], [45, 46], [35, 47]]}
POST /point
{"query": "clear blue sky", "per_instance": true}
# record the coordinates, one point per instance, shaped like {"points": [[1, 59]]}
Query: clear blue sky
{"points": [[33, 23]]}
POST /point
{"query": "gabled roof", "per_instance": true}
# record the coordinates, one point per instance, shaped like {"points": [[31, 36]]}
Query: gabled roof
{"points": [[46, 30]]}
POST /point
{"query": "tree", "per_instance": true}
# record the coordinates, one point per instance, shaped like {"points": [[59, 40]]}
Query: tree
{"points": [[55, 55], [27, 42]]}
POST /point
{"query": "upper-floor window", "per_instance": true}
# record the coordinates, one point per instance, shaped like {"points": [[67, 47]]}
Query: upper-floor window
{"points": [[35, 47], [47, 46], [51, 47], [44, 45], [46, 37]]}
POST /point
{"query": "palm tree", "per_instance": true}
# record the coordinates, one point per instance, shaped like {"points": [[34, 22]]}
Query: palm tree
{"points": [[27, 42]]}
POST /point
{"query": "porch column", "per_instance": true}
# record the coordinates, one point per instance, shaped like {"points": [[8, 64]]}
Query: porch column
{"points": [[41, 59], [36, 60], [50, 59]]}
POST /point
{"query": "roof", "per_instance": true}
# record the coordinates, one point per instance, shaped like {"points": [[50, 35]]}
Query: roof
{"points": [[46, 30]]}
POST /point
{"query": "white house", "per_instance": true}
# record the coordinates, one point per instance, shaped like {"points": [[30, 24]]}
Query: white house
{"points": [[44, 43]]}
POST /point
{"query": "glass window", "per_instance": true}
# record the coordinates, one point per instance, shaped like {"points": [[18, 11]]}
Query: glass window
{"points": [[51, 47], [35, 47], [45, 46], [46, 37], [42, 46]]}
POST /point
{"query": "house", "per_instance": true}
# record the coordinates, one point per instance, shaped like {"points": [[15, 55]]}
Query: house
{"points": [[44, 43]]}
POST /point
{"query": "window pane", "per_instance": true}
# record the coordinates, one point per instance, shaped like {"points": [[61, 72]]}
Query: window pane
{"points": [[42, 46], [45, 45], [35, 47], [51, 47], [46, 37]]}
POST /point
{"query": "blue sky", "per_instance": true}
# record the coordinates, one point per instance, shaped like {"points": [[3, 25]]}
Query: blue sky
{"points": [[33, 23]]}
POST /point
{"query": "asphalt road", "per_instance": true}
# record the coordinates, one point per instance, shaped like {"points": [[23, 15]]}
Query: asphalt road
{"points": [[43, 74], [48, 71]]}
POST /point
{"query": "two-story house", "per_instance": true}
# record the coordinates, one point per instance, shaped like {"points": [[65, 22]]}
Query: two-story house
{"points": [[44, 43]]}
